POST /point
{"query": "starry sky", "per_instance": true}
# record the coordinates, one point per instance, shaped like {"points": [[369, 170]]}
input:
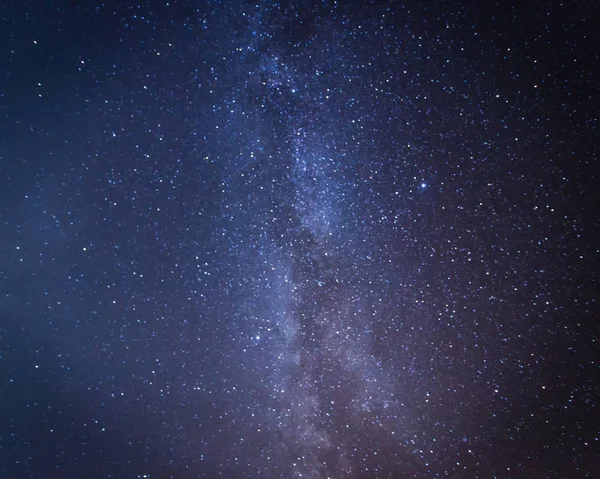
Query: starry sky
{"points": [[299, 239]]}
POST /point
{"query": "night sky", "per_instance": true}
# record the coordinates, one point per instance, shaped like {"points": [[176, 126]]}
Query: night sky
{"points": [[299, 240]]}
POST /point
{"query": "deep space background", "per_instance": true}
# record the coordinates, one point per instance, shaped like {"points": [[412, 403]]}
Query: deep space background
{"points": [[299, 239]]}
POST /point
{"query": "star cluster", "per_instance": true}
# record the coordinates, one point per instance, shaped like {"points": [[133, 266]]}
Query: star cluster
{"points": [[298, 240]]}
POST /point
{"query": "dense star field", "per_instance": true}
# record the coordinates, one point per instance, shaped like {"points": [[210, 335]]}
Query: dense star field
{"points": [[299, 240]]}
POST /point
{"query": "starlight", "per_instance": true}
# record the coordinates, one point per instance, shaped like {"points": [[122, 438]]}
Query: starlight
{"points": [[298, 239]]}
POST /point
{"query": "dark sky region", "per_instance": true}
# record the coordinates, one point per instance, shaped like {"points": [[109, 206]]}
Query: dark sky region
{"points": [[299, 239]]}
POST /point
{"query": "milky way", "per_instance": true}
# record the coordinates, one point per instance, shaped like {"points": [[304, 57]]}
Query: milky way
{"points": [[298, 240]]}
